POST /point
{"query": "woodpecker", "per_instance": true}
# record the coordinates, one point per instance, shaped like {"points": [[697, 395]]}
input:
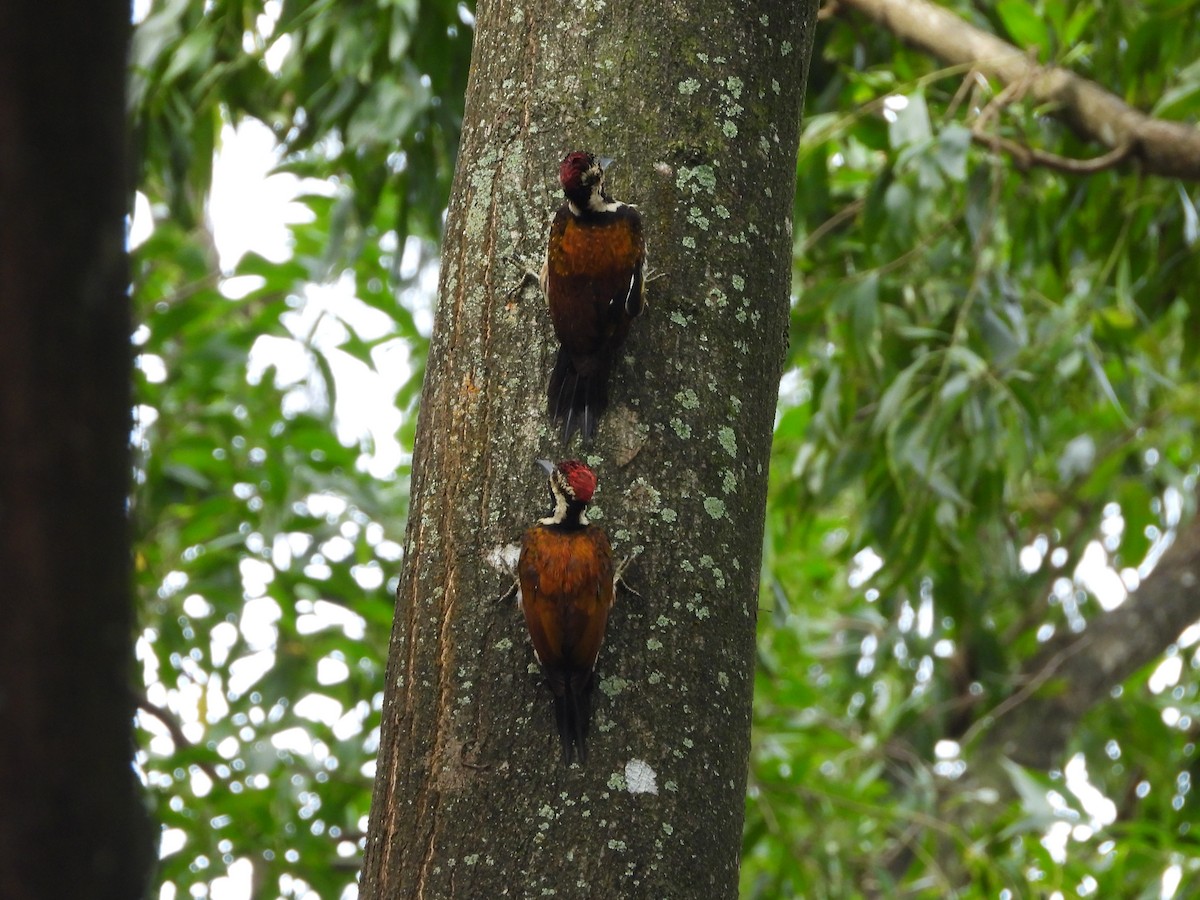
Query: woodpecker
{"points": [[565, 589], [593, 282]]}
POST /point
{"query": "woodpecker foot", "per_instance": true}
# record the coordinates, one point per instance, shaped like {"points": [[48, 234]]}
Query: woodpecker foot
{"points": [[526, 277], [649, 277], [619, 581], [510, 593], [536, 276]]}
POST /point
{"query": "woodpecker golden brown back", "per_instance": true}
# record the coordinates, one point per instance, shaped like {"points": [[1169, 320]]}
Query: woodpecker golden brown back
{"points": [[593, 279], [565, 575]]}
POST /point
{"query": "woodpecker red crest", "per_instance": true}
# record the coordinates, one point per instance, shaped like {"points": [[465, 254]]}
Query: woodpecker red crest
{"points": [[593, 282], [565, 573]]}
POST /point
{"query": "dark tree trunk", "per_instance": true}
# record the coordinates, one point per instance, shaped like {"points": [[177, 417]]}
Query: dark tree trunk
{"points": [[72, 823], [700, 104]]}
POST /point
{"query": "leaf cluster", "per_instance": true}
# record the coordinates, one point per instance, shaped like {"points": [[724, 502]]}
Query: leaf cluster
{"points": [[993, 373], [267, 547]]}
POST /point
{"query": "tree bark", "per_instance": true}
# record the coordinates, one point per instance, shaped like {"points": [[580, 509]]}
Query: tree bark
{"points": [[700, 104], [72, 821], [1171, 149]]}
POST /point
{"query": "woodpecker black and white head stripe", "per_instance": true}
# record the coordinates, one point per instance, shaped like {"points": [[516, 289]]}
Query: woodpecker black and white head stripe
{"points": [[572, 484]]}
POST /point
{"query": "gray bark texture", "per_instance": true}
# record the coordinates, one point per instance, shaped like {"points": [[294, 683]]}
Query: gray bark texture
{"points": [[700, 104], [72, 820]]}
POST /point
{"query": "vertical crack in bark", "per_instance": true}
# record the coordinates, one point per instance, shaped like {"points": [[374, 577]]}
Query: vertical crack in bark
{"points": [[486, 354], [431, 794], [531, 72], [426, 812]]}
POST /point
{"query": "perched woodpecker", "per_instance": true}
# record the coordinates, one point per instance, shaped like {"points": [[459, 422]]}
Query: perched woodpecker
{"points": [[593, 282], [565, 588]]}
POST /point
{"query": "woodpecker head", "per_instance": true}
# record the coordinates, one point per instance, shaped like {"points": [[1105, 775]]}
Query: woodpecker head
{"points": [[582, 178], [571, 487]]}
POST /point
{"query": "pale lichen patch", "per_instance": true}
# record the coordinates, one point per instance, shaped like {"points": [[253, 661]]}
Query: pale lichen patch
{"points": [[613, 685], [640, 778], [681, 428], [728, 481], [696, 179], [504, 557], [727, 438]]}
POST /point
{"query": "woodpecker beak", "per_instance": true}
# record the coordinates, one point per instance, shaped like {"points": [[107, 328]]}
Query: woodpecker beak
{"points": [[545, 465], [604, 162]]}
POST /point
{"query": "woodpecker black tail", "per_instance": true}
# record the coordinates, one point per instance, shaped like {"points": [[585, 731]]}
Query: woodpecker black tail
{"points": [[577, 399], [573, 714]]}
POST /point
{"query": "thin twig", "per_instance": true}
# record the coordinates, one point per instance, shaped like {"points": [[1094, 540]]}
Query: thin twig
{"points": [[1053, 664], [1028, 157], [177, 735]]}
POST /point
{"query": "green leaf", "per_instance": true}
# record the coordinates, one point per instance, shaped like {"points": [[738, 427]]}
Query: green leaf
{"points": [[1025, 25], [951, 152], [898, 394], [910, 125]]}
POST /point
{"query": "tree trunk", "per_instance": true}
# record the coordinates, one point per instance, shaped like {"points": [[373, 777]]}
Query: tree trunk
{"points": [[72, 822], [700, 105]]}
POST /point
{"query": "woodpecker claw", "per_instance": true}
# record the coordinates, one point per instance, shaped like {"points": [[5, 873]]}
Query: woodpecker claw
{"points": [[512, 592], [527, 275], [619, 576]]}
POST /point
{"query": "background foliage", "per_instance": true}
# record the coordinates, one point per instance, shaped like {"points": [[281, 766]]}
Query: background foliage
{"points": [[992, 376]]}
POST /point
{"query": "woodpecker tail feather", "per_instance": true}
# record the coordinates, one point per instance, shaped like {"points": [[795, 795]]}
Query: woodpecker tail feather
{"points": [[577, 399], [573, 713]]}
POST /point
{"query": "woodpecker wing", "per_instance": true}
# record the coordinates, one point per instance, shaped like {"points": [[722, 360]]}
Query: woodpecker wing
{"points": [[594, 279], [566, 579]]}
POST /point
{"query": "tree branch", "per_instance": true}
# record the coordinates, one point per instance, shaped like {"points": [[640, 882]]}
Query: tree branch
{"points": [[1035, 731], [1027, 157], [1164, 148]]}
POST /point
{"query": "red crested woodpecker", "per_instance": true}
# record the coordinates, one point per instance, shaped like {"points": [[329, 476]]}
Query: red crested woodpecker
{"points": [[566, 586], [593, 279]]}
